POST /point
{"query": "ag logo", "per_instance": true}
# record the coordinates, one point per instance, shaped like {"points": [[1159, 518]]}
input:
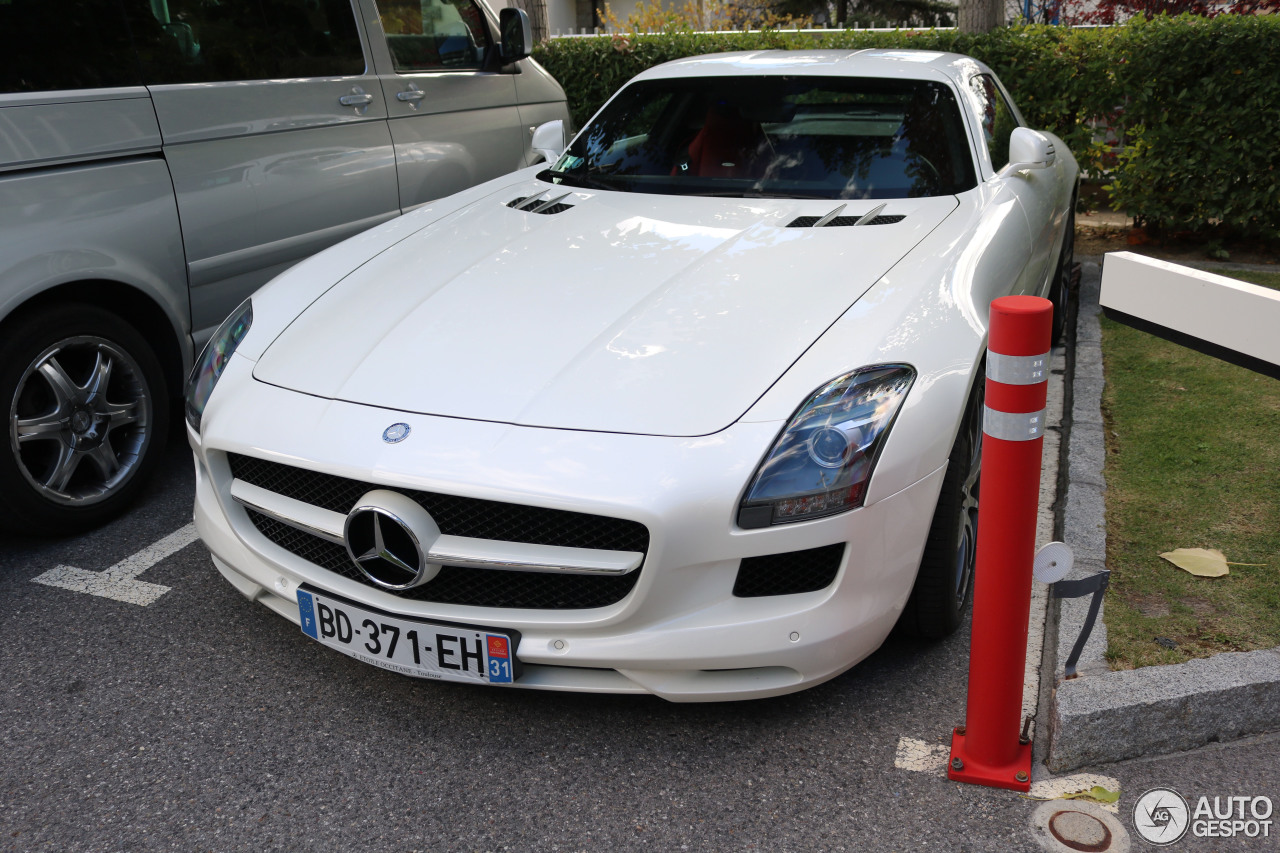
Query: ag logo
{"points": [[1161, 816]]}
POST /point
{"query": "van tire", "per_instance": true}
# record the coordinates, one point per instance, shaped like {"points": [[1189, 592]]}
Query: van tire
{"points": [[86, 415]]}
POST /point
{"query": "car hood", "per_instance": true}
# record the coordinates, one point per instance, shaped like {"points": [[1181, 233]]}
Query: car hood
{"points": [[619, 313]]}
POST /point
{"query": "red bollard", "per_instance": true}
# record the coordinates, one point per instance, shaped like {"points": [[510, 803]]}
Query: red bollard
{"points": [[988, 750]]}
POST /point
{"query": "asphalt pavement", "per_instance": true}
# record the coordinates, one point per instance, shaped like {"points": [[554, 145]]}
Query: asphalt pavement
{"points": [[204, 722]]}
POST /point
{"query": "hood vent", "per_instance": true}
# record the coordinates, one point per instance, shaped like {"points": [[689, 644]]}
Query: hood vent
{"points": [[871, 217], [841, 221], [537, 204]]}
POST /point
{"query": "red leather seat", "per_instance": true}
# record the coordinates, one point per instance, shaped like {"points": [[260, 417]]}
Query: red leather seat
{"points": [[725, 146]]}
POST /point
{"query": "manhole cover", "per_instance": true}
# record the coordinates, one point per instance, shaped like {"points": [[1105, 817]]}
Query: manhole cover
{"points": [[1063, 826], [1080, 831]]}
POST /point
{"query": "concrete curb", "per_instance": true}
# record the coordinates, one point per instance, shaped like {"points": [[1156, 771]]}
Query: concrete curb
{"points": [[1105, 716]]}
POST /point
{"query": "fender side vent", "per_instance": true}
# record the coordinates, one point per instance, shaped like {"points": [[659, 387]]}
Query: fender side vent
{"points": [[535, 204], [841, 221]]}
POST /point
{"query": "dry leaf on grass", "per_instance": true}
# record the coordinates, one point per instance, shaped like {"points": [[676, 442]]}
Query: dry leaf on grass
{"points": [[1202, 562]]}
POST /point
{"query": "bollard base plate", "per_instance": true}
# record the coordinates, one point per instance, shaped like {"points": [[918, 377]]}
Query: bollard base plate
{"points": [[976, 772]]}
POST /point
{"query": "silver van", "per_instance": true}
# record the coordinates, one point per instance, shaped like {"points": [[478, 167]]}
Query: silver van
{"points": [[162, 159]]}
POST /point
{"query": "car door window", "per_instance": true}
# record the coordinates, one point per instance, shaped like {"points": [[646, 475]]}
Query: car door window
{"points": [[434, 35], [997, 118], [193, 41], [44, 46]]}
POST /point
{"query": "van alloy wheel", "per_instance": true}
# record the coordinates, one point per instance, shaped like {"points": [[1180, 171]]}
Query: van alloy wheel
{"points": [[86, 410], [80, 421]]}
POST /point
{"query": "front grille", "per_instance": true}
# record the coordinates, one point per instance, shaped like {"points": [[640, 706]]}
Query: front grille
{"points": [[843, 221], [456, 516], [457, 585], [785, 574]]}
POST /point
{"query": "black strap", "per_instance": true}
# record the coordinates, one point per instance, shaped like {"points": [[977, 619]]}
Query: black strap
{"points": [[1095, 585]]}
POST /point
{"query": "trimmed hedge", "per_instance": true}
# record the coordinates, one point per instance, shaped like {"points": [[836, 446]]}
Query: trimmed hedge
{"points": [[1199, 100]]}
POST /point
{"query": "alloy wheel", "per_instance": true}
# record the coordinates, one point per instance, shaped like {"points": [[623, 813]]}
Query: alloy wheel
{"points": [[967, 540], [80, 421]]}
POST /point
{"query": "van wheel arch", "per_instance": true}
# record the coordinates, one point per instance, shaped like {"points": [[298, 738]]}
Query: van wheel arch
{"points": [[130, 305]]}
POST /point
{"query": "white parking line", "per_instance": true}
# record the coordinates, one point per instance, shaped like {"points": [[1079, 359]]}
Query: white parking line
{"points": [[120, 581], [921, 756], [1052, 789]]}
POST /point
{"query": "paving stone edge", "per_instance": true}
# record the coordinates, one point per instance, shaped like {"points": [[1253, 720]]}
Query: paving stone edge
{"points": [[1105, 716]]}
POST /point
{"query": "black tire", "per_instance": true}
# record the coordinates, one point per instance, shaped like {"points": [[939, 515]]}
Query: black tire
{"points": [[944, 584], [1060, 290], [86, 415]]}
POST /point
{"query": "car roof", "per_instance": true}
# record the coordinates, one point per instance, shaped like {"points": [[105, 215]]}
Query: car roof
{"points": [[899, 64]]}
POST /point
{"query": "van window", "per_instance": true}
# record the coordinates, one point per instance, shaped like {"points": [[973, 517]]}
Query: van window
{"points": [[434, 35], [47, 45], [92, 44], [193, 41]]}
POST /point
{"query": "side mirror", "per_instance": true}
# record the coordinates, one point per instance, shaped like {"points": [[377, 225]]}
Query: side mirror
{"points": [[1030, 150], [516, 35], [548, 140]]}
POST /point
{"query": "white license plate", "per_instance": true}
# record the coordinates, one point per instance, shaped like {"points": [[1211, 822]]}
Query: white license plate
{"points": [[450, 652]]}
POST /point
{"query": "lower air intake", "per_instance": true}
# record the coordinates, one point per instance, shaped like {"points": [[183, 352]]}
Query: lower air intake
{"points": [[789, 573]]}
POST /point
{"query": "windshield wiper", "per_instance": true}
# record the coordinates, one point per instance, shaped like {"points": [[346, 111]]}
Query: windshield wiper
{"points": [[579, 180]]}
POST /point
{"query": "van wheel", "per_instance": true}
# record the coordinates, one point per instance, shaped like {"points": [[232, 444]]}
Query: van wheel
{"points": [[86, 414], [944, 584]]}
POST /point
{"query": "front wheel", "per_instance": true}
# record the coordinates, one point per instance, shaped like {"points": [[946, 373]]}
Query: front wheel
{"points": [[87, 413], [1060, 290], [944, 584]]}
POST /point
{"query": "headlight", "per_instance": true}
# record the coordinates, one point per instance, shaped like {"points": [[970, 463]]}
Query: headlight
{"points": [[822, 461], [214, 360]]}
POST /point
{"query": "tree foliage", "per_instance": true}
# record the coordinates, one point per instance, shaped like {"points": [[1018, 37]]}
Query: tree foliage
{"points": [[1118, 11], [652, 16]]}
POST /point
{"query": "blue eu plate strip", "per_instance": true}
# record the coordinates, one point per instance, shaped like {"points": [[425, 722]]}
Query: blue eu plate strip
{"points": [[307, 610]]}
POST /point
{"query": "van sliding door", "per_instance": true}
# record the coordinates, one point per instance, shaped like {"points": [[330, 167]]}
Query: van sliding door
{"points": [[275, 132]]}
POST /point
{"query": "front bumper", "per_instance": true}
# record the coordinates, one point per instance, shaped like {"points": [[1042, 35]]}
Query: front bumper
{"points": [[680, 633]]}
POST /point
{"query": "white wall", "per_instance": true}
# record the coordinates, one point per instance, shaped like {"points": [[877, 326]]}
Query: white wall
{"points": [[562, 15]]}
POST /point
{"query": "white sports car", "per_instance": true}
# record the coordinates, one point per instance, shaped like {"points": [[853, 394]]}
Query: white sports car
{"points": [[695, 411]]}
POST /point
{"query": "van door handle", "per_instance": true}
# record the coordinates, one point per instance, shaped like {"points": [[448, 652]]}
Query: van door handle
{"points": [[412, 96], [358, 98]]}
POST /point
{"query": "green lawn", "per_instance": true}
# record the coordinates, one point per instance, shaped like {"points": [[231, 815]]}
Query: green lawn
{"points": [[1193, 461]]}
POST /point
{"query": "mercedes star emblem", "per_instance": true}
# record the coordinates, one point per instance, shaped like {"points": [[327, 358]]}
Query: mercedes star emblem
{"points": [[396, 433], [389, 537]]}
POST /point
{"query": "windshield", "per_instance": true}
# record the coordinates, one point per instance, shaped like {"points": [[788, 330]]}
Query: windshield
{"points": [[775, 136]]}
